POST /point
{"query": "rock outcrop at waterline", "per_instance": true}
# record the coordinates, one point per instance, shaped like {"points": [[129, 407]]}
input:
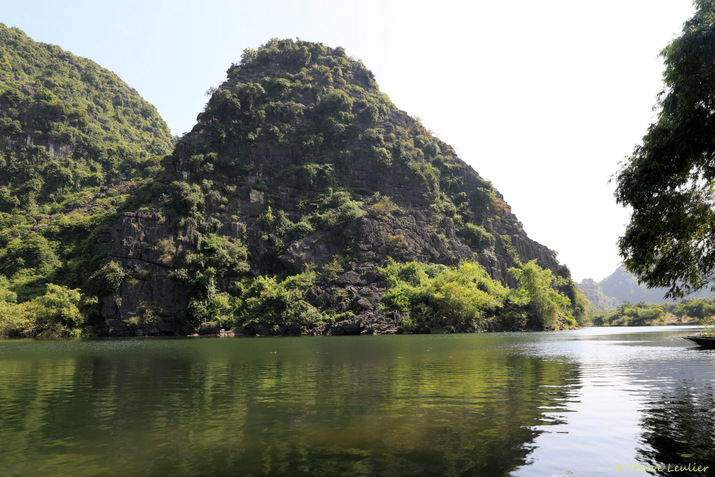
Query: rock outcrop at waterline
{"points": [[299, 168]]}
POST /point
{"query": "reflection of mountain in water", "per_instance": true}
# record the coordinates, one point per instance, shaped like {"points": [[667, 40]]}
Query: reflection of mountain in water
{"points": [[416, 405]]}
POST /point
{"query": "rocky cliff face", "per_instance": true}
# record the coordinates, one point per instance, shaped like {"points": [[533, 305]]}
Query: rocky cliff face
{"points": [[300, 165], [148, 289]]}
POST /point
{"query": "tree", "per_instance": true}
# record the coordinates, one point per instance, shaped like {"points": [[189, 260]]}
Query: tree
{"points": [[669, 181], [544, 304]]}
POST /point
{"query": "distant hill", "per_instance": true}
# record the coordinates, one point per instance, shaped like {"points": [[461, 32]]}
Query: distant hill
{"points": [[621, 286], [593, 291]]}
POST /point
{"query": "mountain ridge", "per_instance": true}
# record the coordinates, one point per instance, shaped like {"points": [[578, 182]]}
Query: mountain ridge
{"points": [[621, 286]]}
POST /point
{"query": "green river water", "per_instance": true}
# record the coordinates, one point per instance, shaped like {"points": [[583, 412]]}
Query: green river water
{"points": [[587, 402]]}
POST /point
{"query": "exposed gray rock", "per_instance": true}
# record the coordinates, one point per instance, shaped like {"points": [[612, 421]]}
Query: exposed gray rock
{"points": [[432, 197]]}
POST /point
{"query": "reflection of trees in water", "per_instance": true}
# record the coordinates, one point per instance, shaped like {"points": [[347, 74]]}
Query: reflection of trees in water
{"points": [[260, 407], [474, 413], [679, 428]]}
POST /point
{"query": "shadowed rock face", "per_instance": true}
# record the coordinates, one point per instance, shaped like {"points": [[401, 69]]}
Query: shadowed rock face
{"points": [[130, 239], [311, 141]]}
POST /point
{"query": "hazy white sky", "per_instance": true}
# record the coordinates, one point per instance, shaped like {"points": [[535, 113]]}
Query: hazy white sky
{"points": [[543, 98]]}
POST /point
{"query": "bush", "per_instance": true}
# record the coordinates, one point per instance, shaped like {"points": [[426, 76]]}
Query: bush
{"points": [[31, 253], [55, 314], [226, 255], [107, 279], [336, 210], [478, 236], [188, 200], [382, 205], [545, 306], [270, 303], [301, 229], [437, 296], [467, 298], [639, 314]]}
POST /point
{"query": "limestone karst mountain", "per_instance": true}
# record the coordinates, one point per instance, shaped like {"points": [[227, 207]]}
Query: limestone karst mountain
{"points": [[299, 168], [67, 124], [303, 201]]}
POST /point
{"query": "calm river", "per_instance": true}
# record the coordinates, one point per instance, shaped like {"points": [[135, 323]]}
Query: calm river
{"points": [[589, 402]]}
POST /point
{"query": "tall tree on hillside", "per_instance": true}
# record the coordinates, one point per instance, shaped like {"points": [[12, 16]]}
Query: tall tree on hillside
{"points": [[669, 181]]}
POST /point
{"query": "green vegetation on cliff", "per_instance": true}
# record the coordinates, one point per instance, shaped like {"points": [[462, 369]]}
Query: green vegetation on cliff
{"points": [[299, 160], [318, 125], [301, 202], [67, 125], [75, 144]]}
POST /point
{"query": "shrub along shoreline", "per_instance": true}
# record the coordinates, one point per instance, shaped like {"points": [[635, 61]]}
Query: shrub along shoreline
{"points": [[426, 297]]}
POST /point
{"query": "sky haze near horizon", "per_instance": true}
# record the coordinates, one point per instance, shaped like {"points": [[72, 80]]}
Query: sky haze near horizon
{"points": [[544, 99]]}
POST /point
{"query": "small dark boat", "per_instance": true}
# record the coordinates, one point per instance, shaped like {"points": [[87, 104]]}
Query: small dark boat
{"points": [[704, 341]]}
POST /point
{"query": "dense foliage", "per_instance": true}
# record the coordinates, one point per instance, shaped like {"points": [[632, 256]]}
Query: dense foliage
{"points": [[689, 310], [466, 298], [75, 144], [58, 312], [668, 181], [66, 124], [264, 305], [427, 297]]}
